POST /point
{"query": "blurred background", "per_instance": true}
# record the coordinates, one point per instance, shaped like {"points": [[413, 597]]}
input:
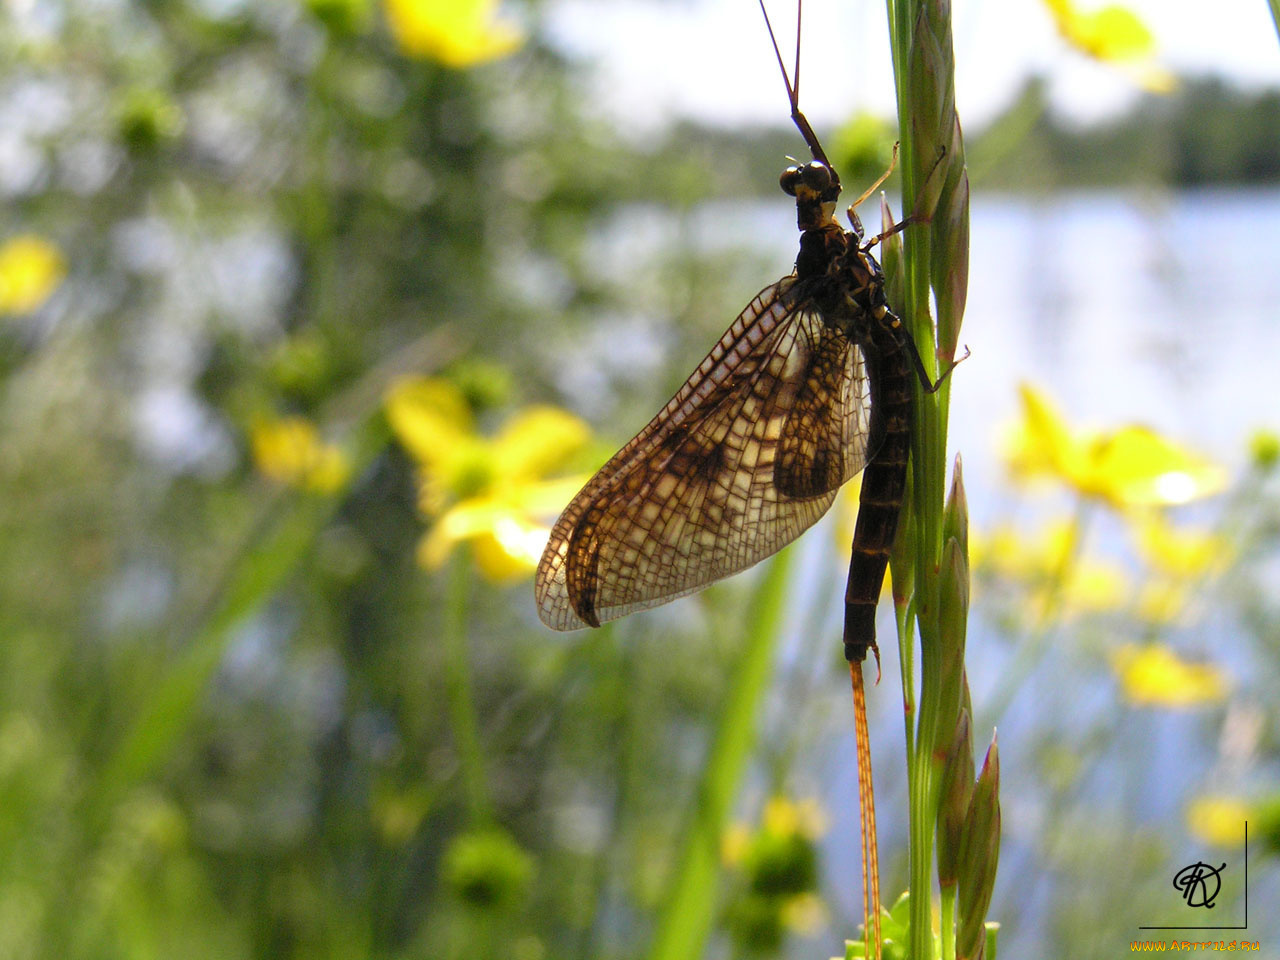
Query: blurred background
{"points": [[314, 313]]}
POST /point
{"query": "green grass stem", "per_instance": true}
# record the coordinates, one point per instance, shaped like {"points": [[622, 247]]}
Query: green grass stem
{"points": [[457, 669], [684, 924]]}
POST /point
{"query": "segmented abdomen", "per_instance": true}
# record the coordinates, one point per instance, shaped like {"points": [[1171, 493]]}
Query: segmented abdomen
{"points": [[883, 485]]}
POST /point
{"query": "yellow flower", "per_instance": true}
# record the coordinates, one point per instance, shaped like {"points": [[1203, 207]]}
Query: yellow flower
{"points": [[1110, 33], [1163, 601], [289, 451], [1187, 554], [1155, 676], [785, 817], [1218, 820], [30, 270], [805, 913], [1114, 35], [486, 491], [1128, 467], [1088, 585], [780, 858], [457, 33]]}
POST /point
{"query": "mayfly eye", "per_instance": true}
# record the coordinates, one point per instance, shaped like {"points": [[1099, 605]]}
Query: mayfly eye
{"points": [[817, 176], [789, 180]]}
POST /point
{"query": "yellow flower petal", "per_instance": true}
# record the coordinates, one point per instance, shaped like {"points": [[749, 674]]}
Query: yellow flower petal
{"points": [[1040, 444], [780, 816], [290, 451], [1154, 675], [1111, 33], [30, 270], [1135, 466], [506, 545], [538, 441], [783, 816], [545, 499], [457, 33], [1218, 820], [430, 418]]}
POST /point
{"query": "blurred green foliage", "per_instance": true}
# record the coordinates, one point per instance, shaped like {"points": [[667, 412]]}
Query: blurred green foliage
{"points": [[1204, 132]]}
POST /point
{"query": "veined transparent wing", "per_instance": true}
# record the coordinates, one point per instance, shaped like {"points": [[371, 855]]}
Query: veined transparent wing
{"points": [[744, 458]]}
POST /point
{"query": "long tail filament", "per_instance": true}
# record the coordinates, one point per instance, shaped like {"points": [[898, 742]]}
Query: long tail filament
{"points": [[867, 804]]}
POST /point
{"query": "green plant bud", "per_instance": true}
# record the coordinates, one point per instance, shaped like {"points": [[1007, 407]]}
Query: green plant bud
{"points": [[950, 259], [926, 71], [487, 869], [485, 384], [782, 864], [342, 17], [980, 854], [953, 614], [1267, 815], [1264, 448], [891, 256], [955, 517], [954, 798], [148, 118], [754, 921]]}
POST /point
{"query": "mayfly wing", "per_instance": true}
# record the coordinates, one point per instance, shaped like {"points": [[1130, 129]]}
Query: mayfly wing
{"points": [[744, 458]]}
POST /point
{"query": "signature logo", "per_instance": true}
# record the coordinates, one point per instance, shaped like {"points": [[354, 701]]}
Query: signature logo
{"points": [[1194, 882]]}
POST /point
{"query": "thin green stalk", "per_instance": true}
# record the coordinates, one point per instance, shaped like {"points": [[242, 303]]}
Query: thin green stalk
{"points": [[934, 262], [685, 922], [948, 923], [1275, 15], [457, 672], [906, 658]]}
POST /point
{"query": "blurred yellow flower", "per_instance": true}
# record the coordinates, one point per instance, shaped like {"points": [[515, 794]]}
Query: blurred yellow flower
{"points": [[1218, 820], [805, 913], [1163, 600], [486, 491], [1041, 561], [1113, 35], [1187, 554], [1155, 676], [289, 451], [779, 859], [457, 33], [805, 818], [30, 270], [1128, 467]]}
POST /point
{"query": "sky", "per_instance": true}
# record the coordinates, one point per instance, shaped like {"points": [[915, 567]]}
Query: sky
{"points": [[711, 60]]}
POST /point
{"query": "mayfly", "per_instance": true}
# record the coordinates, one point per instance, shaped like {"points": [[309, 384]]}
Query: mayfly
{"points": [[807, 387], [810, 385]]}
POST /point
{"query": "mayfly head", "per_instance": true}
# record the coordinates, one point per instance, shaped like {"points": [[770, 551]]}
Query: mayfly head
{"points": [[815, 184]]}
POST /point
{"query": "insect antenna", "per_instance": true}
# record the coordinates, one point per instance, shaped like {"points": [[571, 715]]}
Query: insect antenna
{"points": [[793, 91]]}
